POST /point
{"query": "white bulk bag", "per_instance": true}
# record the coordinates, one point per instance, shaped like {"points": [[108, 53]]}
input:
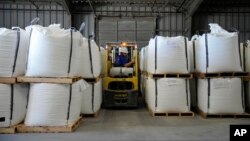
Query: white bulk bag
{"points": [[103, 60], [167, 55], [168, 95], [145, 59], [13, 102], [53, 52], [191, 55], [90, 57], [217, 51], [143, 85], [121, 71], [13, 52], [92, 98], [54, 104], [220, 95], [141, 59]]}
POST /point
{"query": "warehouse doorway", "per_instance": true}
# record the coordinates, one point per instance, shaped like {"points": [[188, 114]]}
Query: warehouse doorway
{"points": [[116, 29]]}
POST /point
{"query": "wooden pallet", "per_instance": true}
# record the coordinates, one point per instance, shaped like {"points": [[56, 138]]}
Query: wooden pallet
{"points": [[222, 115], [92, 80], [246, 78], [221, 74], [91, 115], [49, 129], [171, 75], [8, 80], [8, 130], [143, 72], [171, 114], [62, 80]]}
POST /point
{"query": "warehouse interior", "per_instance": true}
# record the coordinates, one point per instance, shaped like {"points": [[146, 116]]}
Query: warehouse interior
{"points": [[147, 23]]}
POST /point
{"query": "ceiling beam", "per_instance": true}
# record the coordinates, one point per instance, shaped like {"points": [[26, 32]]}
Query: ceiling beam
{"points": [[179, 8], [92, 8], [191, 8], [67, 5]]}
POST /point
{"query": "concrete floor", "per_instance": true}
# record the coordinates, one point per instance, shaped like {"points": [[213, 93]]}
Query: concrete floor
{"points": [[137, 124]]}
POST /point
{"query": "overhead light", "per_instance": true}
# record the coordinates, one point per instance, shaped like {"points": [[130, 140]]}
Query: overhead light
{"points": [[123, 44]]}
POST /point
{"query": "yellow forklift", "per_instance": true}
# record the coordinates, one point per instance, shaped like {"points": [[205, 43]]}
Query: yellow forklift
{"points": [[121, 83]]}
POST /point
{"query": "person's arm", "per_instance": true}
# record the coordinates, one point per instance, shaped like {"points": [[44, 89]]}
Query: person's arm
{"points": [[129, 63]]}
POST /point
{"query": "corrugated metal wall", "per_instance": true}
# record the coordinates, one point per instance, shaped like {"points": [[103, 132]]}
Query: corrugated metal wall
{"points": [[88, 19], [138, 30], [228, 18], [12, 14], [169, 22]]}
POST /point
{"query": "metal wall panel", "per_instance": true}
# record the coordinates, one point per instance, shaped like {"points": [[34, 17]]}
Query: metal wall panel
{"points": [[170, 23], [229, 18], [12, 14], [88, 19], [125, 29]]}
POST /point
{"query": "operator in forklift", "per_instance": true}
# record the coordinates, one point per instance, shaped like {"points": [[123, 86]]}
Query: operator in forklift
{"points": [[122, 59]]}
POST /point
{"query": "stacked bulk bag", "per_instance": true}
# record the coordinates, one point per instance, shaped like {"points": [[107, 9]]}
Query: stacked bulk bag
{"points": [[217, 51], [13, 52], [221, 95], [141, 59], [13, 102], [54, 104], [103, 61], [167, 55], [190, 45], [53, 51], [92, 98], [90, 57], [168, 95], [121, 71]]}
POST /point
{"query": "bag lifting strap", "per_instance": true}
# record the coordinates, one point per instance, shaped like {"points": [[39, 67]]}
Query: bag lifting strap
{"points": [[187, 92], [206, 45], [70, 96], [194, 61], [208, 93], [155, 53], [93, 98], [239, 49], [71, 48], [243, 94], [156, 94], [90, 57], [11, 101], [17, 49], [186, 54]]}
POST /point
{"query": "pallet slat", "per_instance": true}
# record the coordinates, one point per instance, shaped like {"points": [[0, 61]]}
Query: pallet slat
{"points": [[8, 130], [221, 74], [171, 114], [171, 75], [222, 115], [47, 129], [92, 80], [95, 114], [47, 80], [246, 78], [8, 80]]}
